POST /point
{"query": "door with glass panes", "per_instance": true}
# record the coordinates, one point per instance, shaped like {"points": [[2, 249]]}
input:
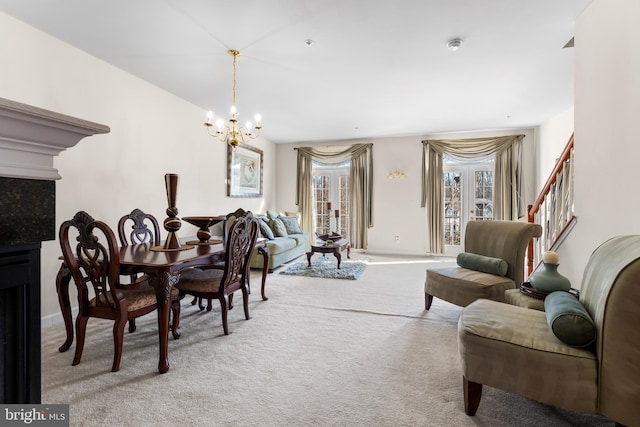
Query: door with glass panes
{"points": [[468, 196], [330, 197]]}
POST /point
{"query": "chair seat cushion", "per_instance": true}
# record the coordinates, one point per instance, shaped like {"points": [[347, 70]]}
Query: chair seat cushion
{"points": [[511, 347], [137, 296], [198, 280], [462, 286]]}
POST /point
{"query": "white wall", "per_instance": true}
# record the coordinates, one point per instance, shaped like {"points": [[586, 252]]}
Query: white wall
{"points": [[607, 96], [152, 132], [551, 138], [397, 210]]}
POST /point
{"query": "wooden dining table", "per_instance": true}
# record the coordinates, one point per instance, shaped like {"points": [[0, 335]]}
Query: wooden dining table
{"points": [[163, 271]]}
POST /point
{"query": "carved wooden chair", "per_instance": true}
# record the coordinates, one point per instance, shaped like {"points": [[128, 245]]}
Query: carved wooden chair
{"points": [[94, 263], [226, 224], [220, 283], [144, 229]]}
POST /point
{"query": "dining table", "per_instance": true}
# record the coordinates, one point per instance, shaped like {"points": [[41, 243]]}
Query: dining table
{"points": [[162, 268]]}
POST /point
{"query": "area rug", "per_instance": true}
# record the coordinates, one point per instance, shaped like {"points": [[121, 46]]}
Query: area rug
{"points": [[326, 267]]}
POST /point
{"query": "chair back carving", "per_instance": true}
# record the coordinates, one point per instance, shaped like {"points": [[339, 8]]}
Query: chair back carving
{"points": [[241, 240], [94, 266], [145, 229]]}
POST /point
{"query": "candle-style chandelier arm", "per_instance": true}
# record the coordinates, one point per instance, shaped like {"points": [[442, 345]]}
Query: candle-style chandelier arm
{"points": [[231, 132]]}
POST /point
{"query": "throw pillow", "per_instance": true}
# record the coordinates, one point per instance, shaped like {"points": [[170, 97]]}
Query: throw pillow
{"points": [[265, 230], [272, 214], [278, 227], [569, 320], [291, 224], [482, 263]]}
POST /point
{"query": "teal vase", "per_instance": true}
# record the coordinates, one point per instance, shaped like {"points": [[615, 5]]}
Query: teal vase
{"points": [[548, 279]]}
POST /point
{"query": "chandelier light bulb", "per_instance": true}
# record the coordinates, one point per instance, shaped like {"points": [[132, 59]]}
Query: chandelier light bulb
{"points": [[248, 126], [220, 124], [258, 119], [209, 116], [233, 110]]}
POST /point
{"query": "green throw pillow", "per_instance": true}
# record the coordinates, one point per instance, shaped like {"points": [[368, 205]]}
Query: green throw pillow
{"points": [[291, 224], [483, 263], [266, 230], [272, 214], [278, 227], [569, 320]]}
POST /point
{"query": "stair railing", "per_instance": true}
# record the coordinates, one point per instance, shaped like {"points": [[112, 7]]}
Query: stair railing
{"points": [[553, 209]]}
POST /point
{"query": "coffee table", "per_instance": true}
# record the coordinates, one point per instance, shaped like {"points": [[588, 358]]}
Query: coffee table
{"points": [[331, 248]]}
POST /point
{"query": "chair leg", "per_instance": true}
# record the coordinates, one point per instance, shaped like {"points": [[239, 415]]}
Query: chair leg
{"points": [[245, 302], [223, 307], [118, 338], [175, 323], [209, 305], [472, 395], [230, 301], [428, 299], [81, 330], [132, 325]]}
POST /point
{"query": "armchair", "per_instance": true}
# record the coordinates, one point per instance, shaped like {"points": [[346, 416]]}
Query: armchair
{"points": [[515, 349], [504, 240]]}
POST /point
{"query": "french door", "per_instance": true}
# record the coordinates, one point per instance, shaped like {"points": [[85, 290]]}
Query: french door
{"points": [[331, 198], [468, 196]]}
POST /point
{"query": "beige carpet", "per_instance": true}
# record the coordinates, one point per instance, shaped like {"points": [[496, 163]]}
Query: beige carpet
{"points": [[318, 353]]}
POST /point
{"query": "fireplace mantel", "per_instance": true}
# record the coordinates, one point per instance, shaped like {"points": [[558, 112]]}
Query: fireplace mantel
{"points": [[30, 137]]}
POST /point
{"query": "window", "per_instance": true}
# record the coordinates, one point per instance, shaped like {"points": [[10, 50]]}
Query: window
{"points": [[331, 197]]}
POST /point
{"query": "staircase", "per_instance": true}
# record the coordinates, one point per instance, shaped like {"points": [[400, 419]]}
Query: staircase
{"points": [[553, 209]]}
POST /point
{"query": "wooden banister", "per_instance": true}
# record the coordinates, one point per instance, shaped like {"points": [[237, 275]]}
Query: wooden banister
{"points": [[551, 200]]}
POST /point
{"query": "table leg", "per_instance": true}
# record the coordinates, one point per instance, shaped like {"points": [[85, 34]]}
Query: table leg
{"points": [[162, 284], [264, 250], [309, 258], [338, 256], [62, 287], [348, 251]]}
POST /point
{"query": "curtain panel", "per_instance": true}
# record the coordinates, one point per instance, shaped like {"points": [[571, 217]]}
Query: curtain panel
{"points": [[507, 178], [360, 191]]}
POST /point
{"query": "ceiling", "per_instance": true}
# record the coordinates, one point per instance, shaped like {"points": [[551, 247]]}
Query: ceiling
{"points": [[375, 68]]}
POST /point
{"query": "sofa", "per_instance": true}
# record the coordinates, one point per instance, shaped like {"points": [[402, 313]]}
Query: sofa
{"points": [[285, 240]]}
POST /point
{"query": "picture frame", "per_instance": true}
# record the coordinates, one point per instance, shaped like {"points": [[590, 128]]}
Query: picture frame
{"points": [[244, 171]]}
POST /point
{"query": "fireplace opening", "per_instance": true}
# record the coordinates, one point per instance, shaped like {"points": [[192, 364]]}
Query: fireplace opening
{"points": [[20, 323]]}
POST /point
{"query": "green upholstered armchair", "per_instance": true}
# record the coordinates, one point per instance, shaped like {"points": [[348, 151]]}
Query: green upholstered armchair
{"points": [[514, 348], [505, 240]]}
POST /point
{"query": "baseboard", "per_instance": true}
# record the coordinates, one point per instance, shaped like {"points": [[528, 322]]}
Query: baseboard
{"points": [[56, 319]]}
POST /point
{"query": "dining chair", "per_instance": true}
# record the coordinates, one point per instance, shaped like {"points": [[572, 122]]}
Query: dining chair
{"points": [[94, 264], [226, 224], [144, 229], [221, 283]]}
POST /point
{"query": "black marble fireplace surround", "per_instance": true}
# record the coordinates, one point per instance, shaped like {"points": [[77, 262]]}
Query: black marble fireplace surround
{"points": [[27, 218], [29, 139]]}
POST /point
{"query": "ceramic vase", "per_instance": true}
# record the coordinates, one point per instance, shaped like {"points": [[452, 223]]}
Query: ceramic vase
{"points": [[548, 279]]}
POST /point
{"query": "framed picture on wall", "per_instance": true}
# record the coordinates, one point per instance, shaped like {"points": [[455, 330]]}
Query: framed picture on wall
{"points": [[244, 171]]}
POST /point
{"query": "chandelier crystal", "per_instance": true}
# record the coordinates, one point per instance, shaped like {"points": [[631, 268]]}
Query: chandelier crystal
{"points": [[232, 133]]}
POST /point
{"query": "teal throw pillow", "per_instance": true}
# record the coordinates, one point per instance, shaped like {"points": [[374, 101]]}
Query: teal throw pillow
{"points": [[569, 320], [291, 224], [266, 230], [278, 227], [482, 263]]}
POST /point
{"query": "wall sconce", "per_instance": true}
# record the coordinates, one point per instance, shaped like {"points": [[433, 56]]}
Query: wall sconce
{"points": [[396, 174]]}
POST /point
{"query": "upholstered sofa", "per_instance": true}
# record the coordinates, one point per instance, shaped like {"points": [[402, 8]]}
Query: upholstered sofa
{"points": [[284, 244], [582, 358]]}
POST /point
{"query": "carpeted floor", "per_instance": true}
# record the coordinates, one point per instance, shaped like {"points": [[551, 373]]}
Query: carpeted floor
{"points": [[318, 353]]}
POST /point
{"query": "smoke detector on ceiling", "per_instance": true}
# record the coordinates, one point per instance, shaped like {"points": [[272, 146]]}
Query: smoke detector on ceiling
{"points": [[454, 44]]}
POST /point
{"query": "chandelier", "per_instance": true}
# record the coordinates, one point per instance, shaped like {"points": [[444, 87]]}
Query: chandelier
{"points": [[232, 133]]}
